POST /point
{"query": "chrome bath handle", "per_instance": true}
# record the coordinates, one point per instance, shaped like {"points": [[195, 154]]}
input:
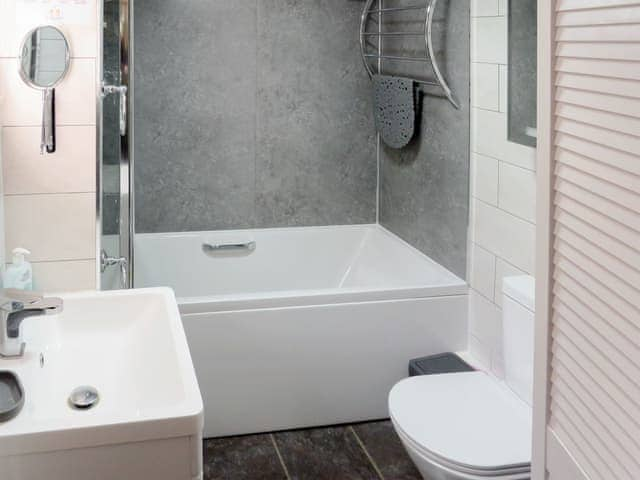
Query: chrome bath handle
{"points": [[224, 247]]}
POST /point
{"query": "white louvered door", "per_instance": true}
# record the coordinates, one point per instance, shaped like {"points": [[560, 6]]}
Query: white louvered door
{"points": [[587, 418]]}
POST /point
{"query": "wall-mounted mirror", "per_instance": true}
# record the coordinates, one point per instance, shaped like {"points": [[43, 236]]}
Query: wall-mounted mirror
{"points": [[44, 61], [523, 66]]}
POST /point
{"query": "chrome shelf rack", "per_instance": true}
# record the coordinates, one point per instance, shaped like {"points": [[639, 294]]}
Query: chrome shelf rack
{"points": [[427, 34]]}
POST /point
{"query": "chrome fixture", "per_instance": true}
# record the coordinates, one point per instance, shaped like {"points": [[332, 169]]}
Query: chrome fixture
{"points": [[426, 33], [83, 398], [15, 306], [225, 247], [122, 262], [115, 78], [121, 90]]}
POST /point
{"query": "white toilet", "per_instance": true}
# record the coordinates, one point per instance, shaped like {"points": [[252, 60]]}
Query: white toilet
{"points": [[471, 426]]}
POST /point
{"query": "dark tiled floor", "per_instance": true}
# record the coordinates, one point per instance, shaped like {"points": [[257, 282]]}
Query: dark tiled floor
{"points": [[364, 451]]}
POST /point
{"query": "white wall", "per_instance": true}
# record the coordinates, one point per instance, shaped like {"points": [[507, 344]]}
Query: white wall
{"points": [[50, 200], [502, 232]]}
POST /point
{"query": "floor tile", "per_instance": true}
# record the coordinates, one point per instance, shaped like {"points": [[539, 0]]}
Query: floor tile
{"points": [[251, 457], [382, 443], [324, 454]]}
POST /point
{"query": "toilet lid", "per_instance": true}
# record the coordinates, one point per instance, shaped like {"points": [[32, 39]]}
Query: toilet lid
{"points": [[468, 419]]}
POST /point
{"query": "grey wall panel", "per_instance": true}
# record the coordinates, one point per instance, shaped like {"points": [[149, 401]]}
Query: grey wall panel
{"points": [[251, 113], [424, 188]]}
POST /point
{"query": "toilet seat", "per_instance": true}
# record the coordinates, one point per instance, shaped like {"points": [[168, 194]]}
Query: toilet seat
{"points": [[467, 422]]}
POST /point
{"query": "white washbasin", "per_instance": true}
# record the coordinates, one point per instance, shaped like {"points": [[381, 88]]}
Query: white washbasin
{"points": [[131, 347]]}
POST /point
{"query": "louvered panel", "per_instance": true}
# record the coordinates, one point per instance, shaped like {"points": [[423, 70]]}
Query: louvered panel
{"points": [[599, 33], [611, 458], [586, 369], [613, 68], [594, 306], [625, 258], [599, 169], [602, 153], [598, 203], [607, 347], [624, 234], [594, 395], [600, 16], [582, 453], [591, 97], [599, 118], [562, 5], [590, 83], [593, 283], [599, 103], [621, 196], [612, 451], [584, 313], [619, 141], [610, 270], [581, 341], [598, 51]]}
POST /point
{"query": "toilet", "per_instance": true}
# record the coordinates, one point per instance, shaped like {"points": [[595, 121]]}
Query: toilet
{"points": [[471, 425]]}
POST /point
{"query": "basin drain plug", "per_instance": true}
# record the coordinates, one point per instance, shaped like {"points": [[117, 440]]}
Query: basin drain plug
{"points": [[83, 398]]}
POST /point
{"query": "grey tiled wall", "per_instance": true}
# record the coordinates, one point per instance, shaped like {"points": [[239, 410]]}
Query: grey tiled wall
{"points": [[251, 113], [424, 188]]}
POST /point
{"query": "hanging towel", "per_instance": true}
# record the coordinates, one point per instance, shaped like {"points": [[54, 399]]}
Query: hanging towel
{"points": [[394, 103]]}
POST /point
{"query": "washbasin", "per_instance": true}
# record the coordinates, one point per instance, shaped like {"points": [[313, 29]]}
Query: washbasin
{"points": [[130, 347]]}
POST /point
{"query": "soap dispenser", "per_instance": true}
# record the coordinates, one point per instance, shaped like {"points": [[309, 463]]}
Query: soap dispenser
{"points": [[19, 274]]}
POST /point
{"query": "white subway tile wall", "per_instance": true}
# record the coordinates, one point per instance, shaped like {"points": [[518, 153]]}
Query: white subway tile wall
{"points": [[50, 200], [503, 186]]}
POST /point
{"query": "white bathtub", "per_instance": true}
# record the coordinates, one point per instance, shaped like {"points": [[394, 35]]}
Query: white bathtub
{"points": [[312, 327]]}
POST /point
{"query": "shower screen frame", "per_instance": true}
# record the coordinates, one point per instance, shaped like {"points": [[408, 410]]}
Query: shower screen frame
{"points": [[125, 212]]}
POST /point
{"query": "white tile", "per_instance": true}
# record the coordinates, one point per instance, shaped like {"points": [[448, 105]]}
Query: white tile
{"points": [[505, 235], [75, 96], [485, 174], [497, 362], [489, 40], [503, 269], [72, 168], [484, 8], [52, 227], [51, 277], [480, 353], [504, 88], [489, 133], [489, 137], [485, 82], [502, 7], [520, 155], [517, 191], [485, 320], [483, 271], [79, 27]]}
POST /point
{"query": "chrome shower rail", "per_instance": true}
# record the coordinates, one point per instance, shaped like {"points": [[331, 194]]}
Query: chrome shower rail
{"points": [[427, 33]]}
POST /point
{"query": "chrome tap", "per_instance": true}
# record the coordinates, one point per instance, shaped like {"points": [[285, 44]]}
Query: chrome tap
{"points": [[15, 306]]}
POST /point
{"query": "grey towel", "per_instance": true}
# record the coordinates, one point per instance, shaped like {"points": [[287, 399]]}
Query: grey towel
{"points": [[394, 103]]}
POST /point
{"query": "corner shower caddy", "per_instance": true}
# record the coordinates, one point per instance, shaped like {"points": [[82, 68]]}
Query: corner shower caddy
{"points": [[427, 33]]}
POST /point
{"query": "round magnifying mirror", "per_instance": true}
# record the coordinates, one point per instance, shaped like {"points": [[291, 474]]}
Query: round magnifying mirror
{"points": [[44, 57]]}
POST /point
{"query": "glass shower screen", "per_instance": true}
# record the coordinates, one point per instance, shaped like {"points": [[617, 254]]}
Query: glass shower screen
{"points": [[115, 167]]}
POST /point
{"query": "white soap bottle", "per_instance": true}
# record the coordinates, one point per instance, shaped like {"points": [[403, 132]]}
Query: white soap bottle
{"points": [[19, 274]]}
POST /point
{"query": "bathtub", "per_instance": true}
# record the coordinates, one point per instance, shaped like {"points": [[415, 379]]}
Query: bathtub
{"points": [[298, 327]]}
